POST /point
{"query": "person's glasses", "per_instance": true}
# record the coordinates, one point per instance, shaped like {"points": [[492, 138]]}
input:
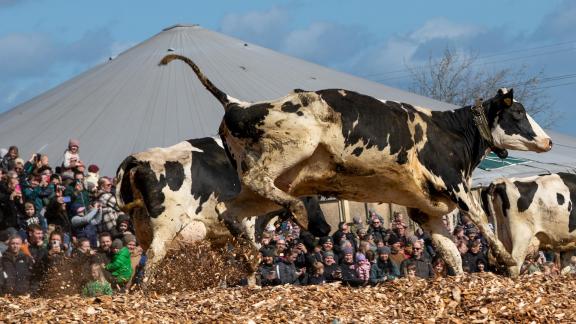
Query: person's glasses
{"points": [[416, 249], [107, 185]]}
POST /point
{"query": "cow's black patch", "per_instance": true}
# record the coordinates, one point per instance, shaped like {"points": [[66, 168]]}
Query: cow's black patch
{"points": [[453, 147], [174, 174], [560, 198], [462, 205], [499, 190], [527, 191], [150, 187], [290, 107], [244, 122], [418, 133], [402, 157], [125, 185], [569, 180], [317, 224], [357, 151], [378, 124], [211, 172]]}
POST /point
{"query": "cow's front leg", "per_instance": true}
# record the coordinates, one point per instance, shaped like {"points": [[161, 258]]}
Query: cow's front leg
{"points": [[441, 238], [470, 207]]}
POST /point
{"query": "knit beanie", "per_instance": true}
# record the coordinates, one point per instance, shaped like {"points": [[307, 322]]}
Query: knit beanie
{"points": [[73, 142], [117, 244]]}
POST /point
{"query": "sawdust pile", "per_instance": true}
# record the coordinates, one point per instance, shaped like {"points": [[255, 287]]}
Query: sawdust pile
{"points": [[191, 289], [197, 266]]}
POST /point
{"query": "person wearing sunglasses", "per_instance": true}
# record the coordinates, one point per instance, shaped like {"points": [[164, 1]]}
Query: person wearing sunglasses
{"points": [[423, 265]]}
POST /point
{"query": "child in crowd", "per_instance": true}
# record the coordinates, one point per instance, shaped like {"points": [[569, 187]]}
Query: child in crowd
{"points": [[411, 272], [98, 286], [317, 277], [31, 217], [71, 155], [363, 267], [120, 267]]}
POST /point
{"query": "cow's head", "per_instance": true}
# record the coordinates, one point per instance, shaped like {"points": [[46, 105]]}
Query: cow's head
{"points": [[512, 128]]}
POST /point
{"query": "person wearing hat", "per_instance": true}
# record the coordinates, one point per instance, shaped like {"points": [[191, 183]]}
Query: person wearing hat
{"points": [[348, 268], [328, 246], [120, 267], [122, 227], [84, 224], [71, 155], [397, 255], [384, 269], [266, 274], [93, 175]]}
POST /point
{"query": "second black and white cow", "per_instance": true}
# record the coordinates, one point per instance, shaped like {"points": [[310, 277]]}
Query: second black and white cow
{"points": [[352, 146], [534, 211], [172, 193]]}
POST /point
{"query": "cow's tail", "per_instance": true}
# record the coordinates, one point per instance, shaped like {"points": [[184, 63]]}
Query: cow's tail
{"points": [[493, 202], [224, 99]]}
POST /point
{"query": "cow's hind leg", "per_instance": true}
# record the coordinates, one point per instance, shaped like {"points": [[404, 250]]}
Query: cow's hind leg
{"points": [[441, 238]]}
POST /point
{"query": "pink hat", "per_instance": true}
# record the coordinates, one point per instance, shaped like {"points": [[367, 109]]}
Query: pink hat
{"points": [[74, 142]]}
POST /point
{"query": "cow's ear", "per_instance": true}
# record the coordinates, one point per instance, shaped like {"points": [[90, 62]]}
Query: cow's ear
{"points": [[506, 96]]}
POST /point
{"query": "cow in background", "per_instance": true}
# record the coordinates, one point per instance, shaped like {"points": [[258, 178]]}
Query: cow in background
{"points": [[347, 145], [535, 211], [171, 193]]}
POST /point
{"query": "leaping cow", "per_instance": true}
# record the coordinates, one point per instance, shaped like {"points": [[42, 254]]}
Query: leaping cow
{"points": [[534, 211], [172, 193], [352, 146]]}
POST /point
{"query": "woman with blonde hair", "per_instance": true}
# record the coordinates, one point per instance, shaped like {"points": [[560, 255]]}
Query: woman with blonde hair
{"points": [[98, 286]]}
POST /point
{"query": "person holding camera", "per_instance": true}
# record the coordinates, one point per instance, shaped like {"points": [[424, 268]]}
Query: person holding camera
{"points": [[85, 225]]}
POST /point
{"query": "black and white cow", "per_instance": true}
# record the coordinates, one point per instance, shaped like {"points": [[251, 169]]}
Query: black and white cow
{"points": [[172, 193], [534, 211], [352, 146]]}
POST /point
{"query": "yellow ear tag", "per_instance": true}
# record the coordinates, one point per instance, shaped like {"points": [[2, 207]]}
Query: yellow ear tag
{"points": [[508, 102]]}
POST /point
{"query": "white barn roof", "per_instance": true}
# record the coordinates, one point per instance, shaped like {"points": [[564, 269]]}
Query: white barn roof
{"points": [[129, 103]]}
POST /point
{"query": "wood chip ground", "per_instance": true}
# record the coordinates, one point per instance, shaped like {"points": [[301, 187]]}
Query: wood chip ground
{"points": [[469, 299]]}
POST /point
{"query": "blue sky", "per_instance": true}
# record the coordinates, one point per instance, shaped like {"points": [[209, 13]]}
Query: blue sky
{"points": [[43, 43]]}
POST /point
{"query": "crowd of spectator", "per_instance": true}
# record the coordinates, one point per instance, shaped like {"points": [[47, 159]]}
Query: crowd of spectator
{"points": [[358, 254], [68, 214], [51, 216]]}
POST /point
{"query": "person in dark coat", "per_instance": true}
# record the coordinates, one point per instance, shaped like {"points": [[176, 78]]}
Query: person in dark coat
{"points": [[16, 269], [11, 202], [473, 256], [317, 276], [384, 269], [287, 272], [344, 233], [332, 271], [423, 266], [378, 232], [348, 268], [266, 274]]}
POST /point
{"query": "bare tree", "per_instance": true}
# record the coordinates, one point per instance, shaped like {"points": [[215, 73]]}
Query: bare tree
{"points": [[458, 79]]}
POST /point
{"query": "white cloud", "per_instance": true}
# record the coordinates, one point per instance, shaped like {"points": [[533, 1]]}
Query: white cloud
{"points": [[442, 28], [325, 43], [261, 27]]}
